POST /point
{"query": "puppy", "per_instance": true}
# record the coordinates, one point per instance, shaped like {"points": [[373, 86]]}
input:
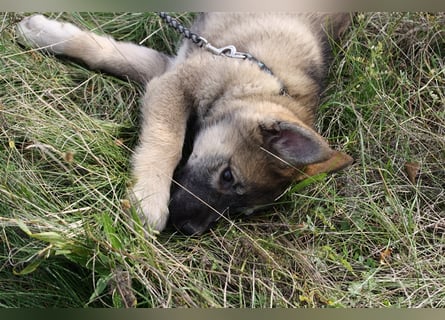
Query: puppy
{"points": [[219, 134]]}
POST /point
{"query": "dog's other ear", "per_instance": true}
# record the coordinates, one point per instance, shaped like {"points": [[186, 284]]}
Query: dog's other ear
{"points": [[302, 147], [337, 161]]}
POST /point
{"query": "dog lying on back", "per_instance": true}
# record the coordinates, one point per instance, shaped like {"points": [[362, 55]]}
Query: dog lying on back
{"points": [[250, 132]]}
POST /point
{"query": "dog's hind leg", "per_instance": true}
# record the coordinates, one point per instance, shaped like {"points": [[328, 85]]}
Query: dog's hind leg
{"points": [[119, 58]]}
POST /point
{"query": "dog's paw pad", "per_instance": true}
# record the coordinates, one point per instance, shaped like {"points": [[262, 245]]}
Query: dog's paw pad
{"points": [[40, 32]]}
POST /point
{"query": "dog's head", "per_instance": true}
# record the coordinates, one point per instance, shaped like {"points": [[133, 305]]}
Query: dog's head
{"points": [[244, 161]]}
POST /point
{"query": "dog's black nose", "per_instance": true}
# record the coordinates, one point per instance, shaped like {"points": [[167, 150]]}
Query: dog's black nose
{"points": [[190, 229]]}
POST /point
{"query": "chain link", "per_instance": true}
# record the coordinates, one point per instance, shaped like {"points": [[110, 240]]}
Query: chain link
{"points": [[228, 51], [175, 24]]}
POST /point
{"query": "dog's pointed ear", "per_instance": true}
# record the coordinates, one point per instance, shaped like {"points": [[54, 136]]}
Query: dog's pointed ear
{"points": [[302, 147], [295, 144]]}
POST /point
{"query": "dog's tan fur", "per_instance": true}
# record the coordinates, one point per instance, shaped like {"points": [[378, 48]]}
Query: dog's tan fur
{"points": [[244, 123]]}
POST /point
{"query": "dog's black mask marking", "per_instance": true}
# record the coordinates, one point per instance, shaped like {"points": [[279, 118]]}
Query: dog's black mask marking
{"points": [[195, 206]]}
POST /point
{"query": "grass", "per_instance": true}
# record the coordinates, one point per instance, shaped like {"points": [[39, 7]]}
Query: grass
{"points": [[369, 236]]}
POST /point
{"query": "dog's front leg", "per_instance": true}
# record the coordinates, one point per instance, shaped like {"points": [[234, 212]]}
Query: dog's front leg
{"points": [[165, 112]]}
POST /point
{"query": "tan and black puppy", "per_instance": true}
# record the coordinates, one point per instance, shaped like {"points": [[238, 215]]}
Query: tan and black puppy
{"points": [[251, 130]]}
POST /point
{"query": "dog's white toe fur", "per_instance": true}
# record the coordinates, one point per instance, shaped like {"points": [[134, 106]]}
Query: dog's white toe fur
{"points": [[41, 32], [152, 208]]}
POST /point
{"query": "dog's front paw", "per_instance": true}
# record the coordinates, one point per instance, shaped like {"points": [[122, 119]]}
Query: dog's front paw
{"points": [[41, 32], [152, 207]]}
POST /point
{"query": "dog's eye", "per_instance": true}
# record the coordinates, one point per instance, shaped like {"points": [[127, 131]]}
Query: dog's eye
{"points": [[227, 175]]}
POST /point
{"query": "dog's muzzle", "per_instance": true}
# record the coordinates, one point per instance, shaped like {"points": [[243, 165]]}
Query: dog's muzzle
{"points": [[192, 203], [189, 215]]}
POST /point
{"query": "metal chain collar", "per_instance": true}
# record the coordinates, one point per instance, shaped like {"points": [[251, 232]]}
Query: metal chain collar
{"points": [[228, 51]]}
